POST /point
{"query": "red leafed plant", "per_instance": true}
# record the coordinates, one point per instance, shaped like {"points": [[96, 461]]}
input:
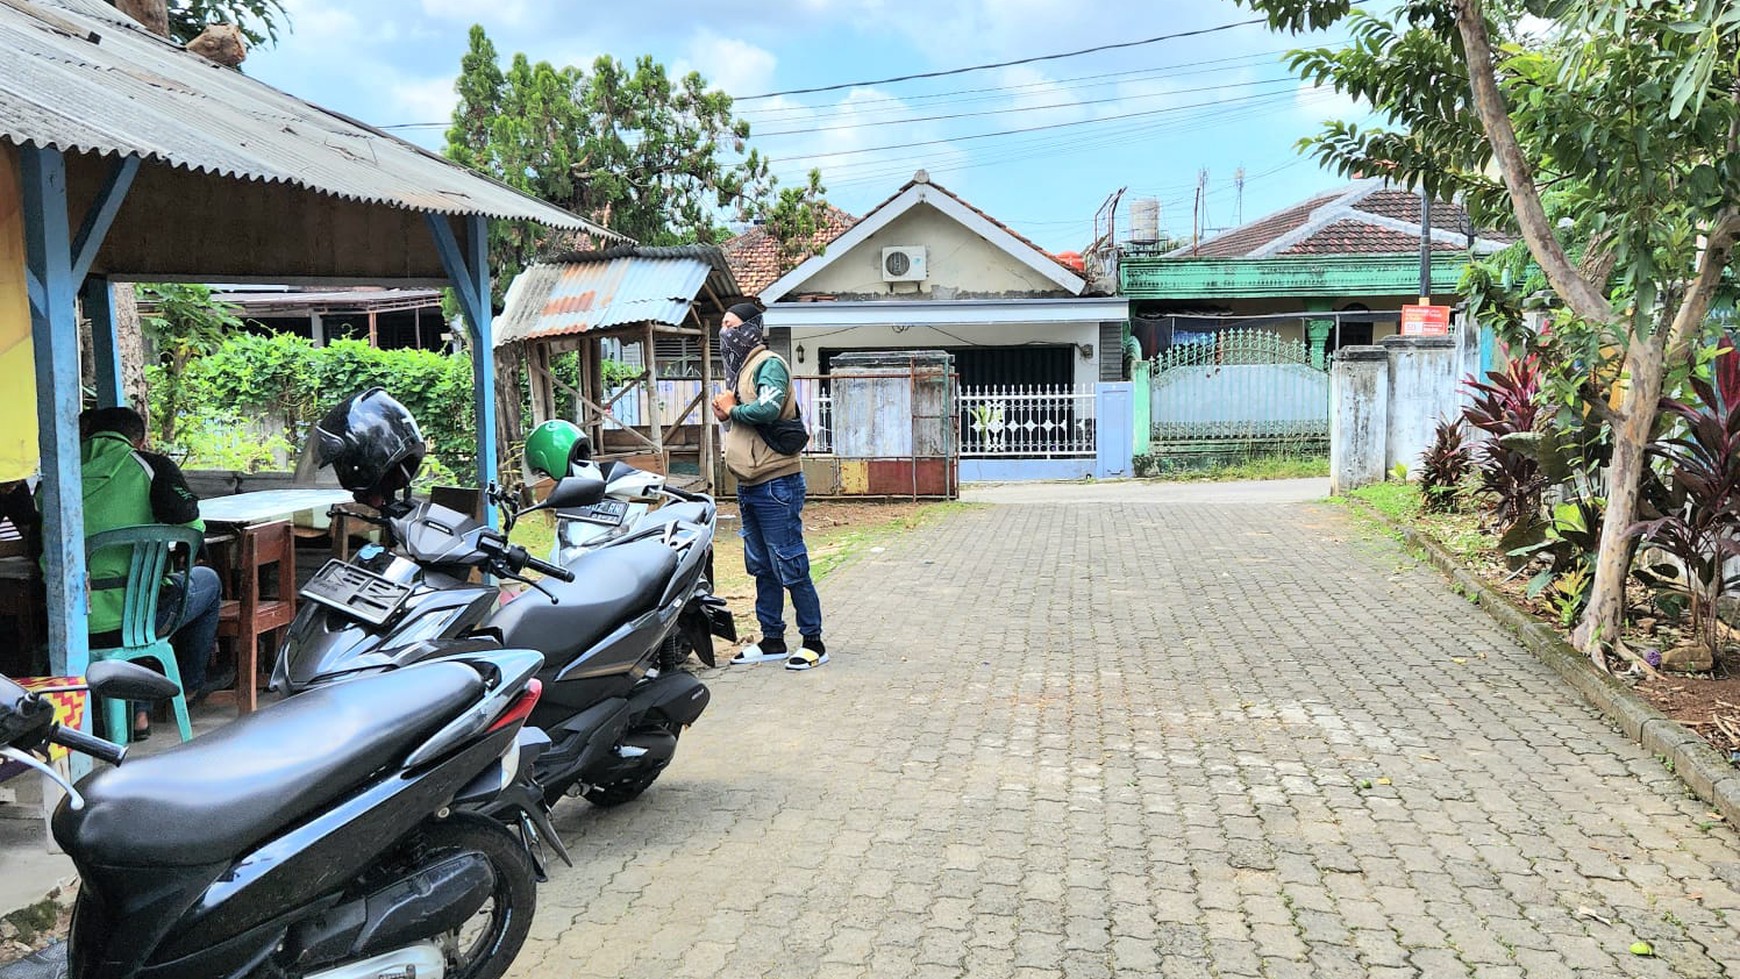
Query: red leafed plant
{"points": [[1506, 404], [1701, 529]]}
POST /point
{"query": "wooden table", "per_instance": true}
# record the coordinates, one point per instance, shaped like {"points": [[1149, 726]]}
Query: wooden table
{"points": [[263, 506], [234, 522]]}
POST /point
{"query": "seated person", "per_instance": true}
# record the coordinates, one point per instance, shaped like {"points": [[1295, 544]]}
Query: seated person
{"points": [[125, 486]]}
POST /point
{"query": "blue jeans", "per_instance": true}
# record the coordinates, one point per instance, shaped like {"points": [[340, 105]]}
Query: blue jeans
{"points": [[774, 553], [194, 632]]}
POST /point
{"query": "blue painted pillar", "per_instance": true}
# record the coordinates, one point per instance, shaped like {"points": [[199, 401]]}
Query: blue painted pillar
{"points": [[48, 250], [482, 323], [99, 303], [468, 269]]}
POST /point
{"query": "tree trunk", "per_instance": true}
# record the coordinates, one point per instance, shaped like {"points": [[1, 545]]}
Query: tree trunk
{"points": [[1605, 614], [154, 14], [509, 431], [130, 347]]}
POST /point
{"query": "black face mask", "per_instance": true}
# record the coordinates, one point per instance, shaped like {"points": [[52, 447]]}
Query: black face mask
{"points": [[737, 343]]}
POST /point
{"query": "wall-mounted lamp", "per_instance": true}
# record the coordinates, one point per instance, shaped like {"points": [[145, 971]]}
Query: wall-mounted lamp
{"points": [[800, 353], [1087, 350]]}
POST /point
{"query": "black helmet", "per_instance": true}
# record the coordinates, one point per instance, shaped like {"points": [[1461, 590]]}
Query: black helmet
{"points": [[372, 443]]}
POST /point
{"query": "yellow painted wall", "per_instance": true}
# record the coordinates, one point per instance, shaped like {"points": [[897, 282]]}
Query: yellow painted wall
{"points": [[18, 449], [957, 259]]}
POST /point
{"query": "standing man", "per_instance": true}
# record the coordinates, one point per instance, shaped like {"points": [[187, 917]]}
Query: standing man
{"points": [[770, 492], [125, 486]]}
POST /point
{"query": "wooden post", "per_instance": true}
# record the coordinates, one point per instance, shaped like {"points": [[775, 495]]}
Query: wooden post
{"points": [[650, 361], [468, 270], [105, 342], [709, 458], [374, 331], [54, 333]]}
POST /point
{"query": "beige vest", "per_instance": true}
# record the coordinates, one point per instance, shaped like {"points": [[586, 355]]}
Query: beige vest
{"points": [[747, 454]]}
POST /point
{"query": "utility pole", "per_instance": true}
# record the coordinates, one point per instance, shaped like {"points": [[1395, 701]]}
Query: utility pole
{"points": [[1425, 247], [1239, 183]]}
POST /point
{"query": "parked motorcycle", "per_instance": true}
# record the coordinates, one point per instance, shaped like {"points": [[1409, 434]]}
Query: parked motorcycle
{"points": [[318, 838], [556, 449], [614, 626]]}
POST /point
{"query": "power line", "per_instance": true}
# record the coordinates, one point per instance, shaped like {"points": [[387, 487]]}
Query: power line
{"points": [[1022, 108], [1007, 132], [1005, 64], [990, 92]]}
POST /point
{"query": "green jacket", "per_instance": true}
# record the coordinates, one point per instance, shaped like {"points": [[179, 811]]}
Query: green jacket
{"points": [[124, 487]]}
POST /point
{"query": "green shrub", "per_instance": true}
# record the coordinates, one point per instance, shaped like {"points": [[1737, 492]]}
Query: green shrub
{"points": [[287, 377]]}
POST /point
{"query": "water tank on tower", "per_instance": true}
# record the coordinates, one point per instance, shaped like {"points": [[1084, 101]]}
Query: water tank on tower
{"points": [[1145, 219]]}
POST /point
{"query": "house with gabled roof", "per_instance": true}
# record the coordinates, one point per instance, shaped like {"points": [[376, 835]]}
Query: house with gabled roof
{"points": [[1350, 255], [1029, 340], [925, 270]]}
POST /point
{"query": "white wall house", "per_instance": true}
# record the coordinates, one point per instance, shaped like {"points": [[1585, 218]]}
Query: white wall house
{"points": [[1032, 353]]}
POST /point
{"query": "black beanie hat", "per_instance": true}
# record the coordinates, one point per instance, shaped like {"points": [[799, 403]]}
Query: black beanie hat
{"points": [[746, 311]]}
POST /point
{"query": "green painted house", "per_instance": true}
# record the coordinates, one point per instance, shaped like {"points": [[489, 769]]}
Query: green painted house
{"points": [[1352, 253]]}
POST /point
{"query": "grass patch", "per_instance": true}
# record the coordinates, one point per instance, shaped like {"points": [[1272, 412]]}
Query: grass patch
{"points": [[1258, 468], [1398, 501], [536, 532]]}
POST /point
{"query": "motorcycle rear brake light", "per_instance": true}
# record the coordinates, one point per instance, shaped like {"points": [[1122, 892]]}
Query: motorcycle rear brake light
{"points": [[521, 708]]}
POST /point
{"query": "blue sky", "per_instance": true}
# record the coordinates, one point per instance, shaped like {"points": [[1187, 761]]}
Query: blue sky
{"points": [[1217, 102]]}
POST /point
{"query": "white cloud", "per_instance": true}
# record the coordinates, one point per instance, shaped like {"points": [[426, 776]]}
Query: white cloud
{"points": [[423, 99], [497, 11], [733, 65]]}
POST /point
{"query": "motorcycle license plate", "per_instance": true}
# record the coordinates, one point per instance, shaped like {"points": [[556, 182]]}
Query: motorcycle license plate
{"points": [[356, 592], [608, 513]]}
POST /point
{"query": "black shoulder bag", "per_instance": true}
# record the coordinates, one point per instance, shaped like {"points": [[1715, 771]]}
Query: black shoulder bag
{"points": [[786, 436]]}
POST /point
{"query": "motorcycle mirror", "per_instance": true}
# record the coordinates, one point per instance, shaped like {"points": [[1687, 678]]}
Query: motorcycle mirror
{"points": [[573, 491], [121, 680]]}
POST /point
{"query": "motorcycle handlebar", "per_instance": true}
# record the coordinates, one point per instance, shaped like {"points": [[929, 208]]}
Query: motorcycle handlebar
{"points": [[549, 570], [83, 743], [515, 559]]}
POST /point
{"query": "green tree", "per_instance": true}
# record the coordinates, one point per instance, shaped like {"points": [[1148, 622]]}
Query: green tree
{"points": [[796, 216], [185, 322], [625, 145], [1627, 109]]}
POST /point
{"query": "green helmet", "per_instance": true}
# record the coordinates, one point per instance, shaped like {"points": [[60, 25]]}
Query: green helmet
{"points": [[556, 445]]}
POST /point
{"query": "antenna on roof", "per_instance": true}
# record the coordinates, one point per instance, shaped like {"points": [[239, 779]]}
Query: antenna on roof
{"points": [[1239, 183]]}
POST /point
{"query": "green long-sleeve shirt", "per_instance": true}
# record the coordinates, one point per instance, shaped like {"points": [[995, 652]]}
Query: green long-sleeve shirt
{"points": [[772, 380]]}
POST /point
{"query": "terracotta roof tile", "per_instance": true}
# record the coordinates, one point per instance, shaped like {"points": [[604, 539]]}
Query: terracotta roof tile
{"points": [[1241, 241], [754, 254], [1355, 237], [1403, 205]]}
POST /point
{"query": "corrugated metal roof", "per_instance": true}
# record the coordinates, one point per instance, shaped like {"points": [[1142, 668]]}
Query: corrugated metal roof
{"points": [[79, 76], [566, 298]]}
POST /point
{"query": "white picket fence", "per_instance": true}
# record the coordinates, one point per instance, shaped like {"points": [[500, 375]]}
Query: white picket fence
{"points": [[1027, 421]]}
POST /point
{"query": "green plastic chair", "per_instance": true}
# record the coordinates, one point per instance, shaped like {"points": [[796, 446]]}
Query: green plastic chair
{"points": [[154, 547]]}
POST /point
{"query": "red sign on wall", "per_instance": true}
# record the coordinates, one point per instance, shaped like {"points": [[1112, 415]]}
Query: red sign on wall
{"points": [[1425, 321]]}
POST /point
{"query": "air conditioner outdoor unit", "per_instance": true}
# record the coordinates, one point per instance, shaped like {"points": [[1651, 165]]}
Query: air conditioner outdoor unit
{"points": [[904, 263]]}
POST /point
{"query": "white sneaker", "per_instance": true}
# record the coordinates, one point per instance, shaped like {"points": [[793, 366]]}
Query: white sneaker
{"points": [[752, 654]]}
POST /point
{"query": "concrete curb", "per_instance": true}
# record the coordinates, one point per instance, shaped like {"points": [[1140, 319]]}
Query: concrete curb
{"points": [[1701, 767]]}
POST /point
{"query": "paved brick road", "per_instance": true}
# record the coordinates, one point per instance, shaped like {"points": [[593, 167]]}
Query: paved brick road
{"points": [[1143, 739]]}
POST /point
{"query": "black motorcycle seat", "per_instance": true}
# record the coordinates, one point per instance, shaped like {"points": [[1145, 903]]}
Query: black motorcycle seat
{"points": [[216, 797], [611, 586]]}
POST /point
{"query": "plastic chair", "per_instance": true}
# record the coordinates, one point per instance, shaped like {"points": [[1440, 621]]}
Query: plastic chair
{"points": [[153, 547]]}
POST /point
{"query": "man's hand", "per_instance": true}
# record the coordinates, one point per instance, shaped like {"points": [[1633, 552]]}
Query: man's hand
{"points": [[723, 403]]}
